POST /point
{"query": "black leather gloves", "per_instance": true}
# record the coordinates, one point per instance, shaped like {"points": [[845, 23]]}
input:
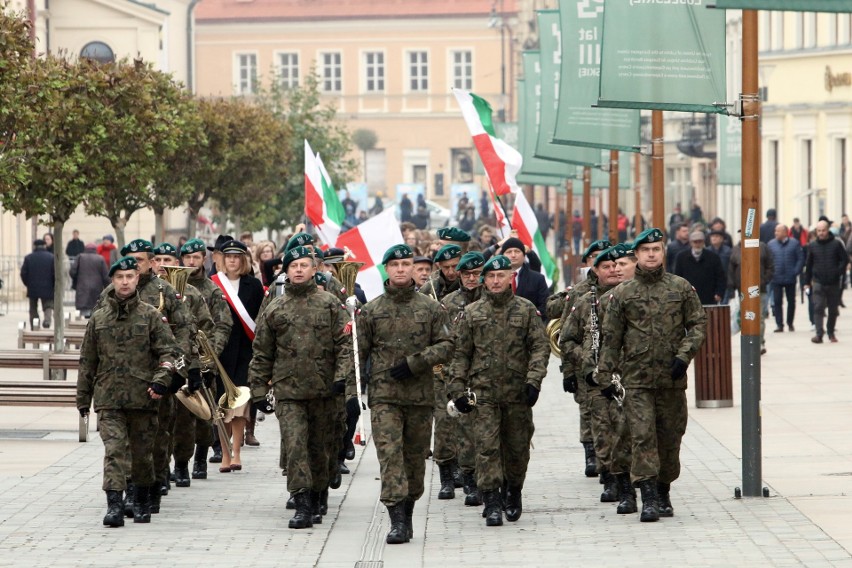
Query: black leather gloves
{"points": [[569, 384], [263, 406], [532, 395], [678, 368], [401, 371]]}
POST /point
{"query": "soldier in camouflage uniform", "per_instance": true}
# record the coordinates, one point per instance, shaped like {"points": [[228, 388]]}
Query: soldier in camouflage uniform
{"points": [[652, 327], [562, 303], [446, 279], [470, 270], [501, 356], [192, 256], [579, 343], [406, 334], [126, 364], [301, 349]]}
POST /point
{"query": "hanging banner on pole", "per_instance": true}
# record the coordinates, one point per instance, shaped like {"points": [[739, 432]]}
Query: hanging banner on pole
{"points": [[785, 5], [730, 150], [682, 69], [579, 60]]}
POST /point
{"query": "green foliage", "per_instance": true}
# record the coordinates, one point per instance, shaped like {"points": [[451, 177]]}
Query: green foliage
{"points": [[365, 139]]}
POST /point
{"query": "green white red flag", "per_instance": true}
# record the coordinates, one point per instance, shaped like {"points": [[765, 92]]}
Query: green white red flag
{"points": [[525, 222], [322, 205], [368, 243]]}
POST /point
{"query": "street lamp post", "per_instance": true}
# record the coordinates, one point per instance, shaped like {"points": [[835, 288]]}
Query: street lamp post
{"points": [[499, 20]]}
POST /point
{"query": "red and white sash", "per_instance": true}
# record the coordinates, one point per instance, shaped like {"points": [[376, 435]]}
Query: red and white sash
{"points": [[221, 280]]}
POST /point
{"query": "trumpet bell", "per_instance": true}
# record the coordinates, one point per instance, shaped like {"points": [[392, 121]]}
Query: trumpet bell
{"points": [[554, 328], [195, 403], [235, 399]]}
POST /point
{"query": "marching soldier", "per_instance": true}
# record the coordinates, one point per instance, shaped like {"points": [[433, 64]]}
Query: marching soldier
{"points": [[470, 270], [406, 334], [126, 364], [301, 349], [192, 255], [454, 236], [654, 324], [501, 356], [446, 279]]}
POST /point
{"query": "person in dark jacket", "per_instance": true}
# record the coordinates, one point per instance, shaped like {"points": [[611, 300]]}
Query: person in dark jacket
{"points": [[767, 228], [91, 275], [679, 243], [789, 259], [767, 271], [827, 259], [526, 283], [75, 246], [702, 268], [39, 278]]}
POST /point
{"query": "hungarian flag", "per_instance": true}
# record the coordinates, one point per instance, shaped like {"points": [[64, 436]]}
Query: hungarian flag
{"points": [[322, 206], [502, 162], [524, 221], [368, 243], [503, 224]]}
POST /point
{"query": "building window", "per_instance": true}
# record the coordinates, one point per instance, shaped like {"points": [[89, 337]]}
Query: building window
{"points": [[97, 51], [331, 72], [374, 69], [418, 71], [462, 69], [841, 172], [246, 80], [288, 70]]}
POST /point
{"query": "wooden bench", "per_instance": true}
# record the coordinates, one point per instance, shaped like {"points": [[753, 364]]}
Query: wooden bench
{"points": [[46, 393], [40, 337]]}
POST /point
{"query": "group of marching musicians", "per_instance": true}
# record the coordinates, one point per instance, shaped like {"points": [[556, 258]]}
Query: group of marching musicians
{"points": [[458, 347]]}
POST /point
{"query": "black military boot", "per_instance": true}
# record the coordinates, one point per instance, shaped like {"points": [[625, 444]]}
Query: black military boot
{"points": [[474, 496], [199, 464], [182, 474], [302, 518], [610, 492], [591, 462], [324, 502], [493, 508], [316, 515], [650, 505], [142, 504], [458, 476], [129, 495], [399, 529], [626, 494], [666, 509], [217, 452], [336, 479], [291, 502], [409, 518], [155, 498], [447, 490], [115, 509], [513, 504]]}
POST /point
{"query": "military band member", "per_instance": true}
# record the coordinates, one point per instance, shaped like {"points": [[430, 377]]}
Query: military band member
{"points": [[470, 270], [126, 364], [446, 279], [501, 356], [422, 271], [652, 327], [406, 334]]}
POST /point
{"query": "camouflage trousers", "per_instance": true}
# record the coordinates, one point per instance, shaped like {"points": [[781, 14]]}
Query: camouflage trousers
{"points": [[581, 397], [502, 434], [466, 443], [204, 432], [401, 435], [446, 432], [183, 440], [163, 440], [656, 419], [305, 428], [128, 437], [611, 436], [337, 411]]}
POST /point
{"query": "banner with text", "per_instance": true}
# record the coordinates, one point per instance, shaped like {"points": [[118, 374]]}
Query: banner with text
{"points": [[682, 69], [730, 150], [786, 5], [578, 55]]}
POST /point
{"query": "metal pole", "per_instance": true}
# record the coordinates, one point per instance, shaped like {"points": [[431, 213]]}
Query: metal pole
{"points": [[613, 196], [637, 175], [750, 307], [587, 207], [502, 62], [600, 232], [658, 196]]}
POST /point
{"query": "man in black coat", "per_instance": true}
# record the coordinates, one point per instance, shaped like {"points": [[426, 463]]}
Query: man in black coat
{"points": [[827, 260], [702, 268], [39, 278], [679, 243], [525, 282]]}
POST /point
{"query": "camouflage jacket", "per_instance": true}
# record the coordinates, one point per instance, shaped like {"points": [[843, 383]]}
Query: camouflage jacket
{"points": [[653, 318], [575, 340], [500, 347], [574, 292], [437, 286], [402, 324], [456, 302], [301, 345], [124, 344], [220, 313]]}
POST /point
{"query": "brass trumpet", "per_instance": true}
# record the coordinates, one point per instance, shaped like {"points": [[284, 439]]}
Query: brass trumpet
{"points": [[554, 328]]}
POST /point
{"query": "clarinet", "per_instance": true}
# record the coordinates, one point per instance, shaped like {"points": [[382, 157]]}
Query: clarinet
{"points": [[594, 330]]}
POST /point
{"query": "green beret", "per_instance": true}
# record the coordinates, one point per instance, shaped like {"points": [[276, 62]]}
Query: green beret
{"points": [[296, 253], [453, 234], [498, 262], [596, 246], [319, 254], [165, 249], [321, 279], [448, 252], [299, 240], [138, 245], [124, 263], [613, 253], [397, 252], [193, 245], [651, 235], [471, 261]]}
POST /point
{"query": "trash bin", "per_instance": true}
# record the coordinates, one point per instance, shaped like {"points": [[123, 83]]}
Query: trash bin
{"points": [[713, 369]]}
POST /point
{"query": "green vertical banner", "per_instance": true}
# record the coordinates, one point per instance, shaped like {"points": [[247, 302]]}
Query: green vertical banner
{"points": [[663, 56], [577, 122], [730, 150], [786, 5], [527, 131], [600, 178]]}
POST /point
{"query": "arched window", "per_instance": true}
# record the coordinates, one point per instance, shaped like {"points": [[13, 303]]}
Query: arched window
{"points": [[98, 51]]}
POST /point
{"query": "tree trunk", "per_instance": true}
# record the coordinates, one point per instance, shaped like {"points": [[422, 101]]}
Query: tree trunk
{"points": [[59, 286], [118, 225], [238, 228], [192, 220], [159, 229]]}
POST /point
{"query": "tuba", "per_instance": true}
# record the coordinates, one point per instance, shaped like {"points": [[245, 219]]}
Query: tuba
{"points": [[177, 276], [347, 273], [554, 328]]}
